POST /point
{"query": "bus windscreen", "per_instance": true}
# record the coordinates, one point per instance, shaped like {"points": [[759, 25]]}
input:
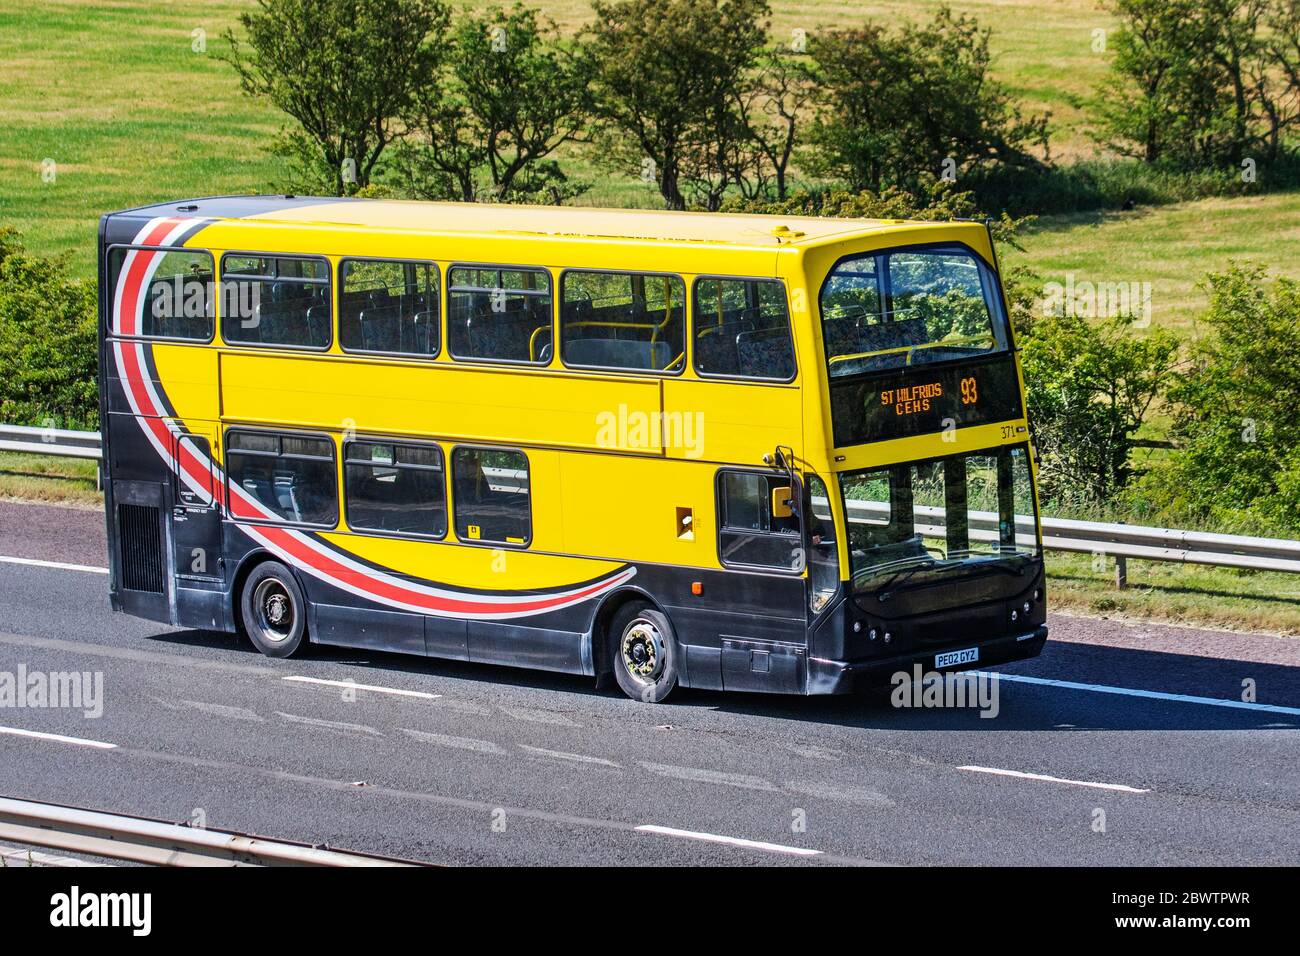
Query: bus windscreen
{"points": [[889, 310]]}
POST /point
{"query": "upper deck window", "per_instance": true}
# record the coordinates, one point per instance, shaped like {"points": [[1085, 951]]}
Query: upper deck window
{"points": [[623, 320], [499, 314], [892, 309], [389, 306], [275, 300], [169, 298], [742, 329]]}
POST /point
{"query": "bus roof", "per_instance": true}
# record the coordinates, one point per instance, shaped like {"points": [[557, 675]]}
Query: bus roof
{"points": [[730, 229]]}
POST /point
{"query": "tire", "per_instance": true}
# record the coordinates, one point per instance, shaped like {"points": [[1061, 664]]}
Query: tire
{"points": [[643, 653], [273, 610]]}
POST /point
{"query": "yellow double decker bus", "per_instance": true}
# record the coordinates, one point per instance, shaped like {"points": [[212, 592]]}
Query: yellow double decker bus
{"points": [[733, 452]]}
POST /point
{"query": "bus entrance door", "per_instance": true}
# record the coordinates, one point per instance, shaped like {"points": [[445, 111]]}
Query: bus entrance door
{"points": [[195, 515]]}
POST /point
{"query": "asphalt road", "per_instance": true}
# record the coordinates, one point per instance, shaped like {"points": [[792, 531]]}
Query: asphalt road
{"points": [[493, 765]]}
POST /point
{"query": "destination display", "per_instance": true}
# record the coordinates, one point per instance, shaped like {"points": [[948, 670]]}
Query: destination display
{"points": [[921, 400]]}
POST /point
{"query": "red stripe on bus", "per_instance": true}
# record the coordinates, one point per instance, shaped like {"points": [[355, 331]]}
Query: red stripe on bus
{"points": [[327, 567]]}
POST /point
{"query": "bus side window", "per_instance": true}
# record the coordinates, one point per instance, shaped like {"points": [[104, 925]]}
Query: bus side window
{"points": [[177, 300], [289, 477], [491, 497], [276, 300], [499, 314], [623, 320], [742, 329], [389, 307], [750, 533]]}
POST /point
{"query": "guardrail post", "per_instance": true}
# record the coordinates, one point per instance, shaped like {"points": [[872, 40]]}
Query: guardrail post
{"points": [[1121, 569]]}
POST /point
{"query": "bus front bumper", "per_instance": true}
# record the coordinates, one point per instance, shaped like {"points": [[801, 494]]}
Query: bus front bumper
{"points": [[845, 677]]}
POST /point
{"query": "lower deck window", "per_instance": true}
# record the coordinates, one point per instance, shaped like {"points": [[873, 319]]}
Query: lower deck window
{"points": [[758, 521], [395, 488], [289, 477], [491, 495]]}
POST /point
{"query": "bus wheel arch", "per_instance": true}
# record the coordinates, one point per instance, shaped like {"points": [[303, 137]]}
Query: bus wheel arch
{"points": [[601, 640], [268, 605], [639, 647]]}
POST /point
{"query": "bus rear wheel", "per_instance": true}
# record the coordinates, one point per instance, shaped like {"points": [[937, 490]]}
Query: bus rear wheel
{"points": [[273, 610], [643, 653]]}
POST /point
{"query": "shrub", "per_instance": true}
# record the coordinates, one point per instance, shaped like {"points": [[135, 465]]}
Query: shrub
{"points": [[48, 340]]}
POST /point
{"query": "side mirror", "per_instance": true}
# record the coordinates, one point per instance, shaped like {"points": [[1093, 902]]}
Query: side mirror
{"points": [[781, 498]]}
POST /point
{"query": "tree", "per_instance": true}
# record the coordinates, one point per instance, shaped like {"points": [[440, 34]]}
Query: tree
{"points": [[345, 71], [897, 105], [511, 94], [668, 74], [1202, 83], [771, 105], [47, 341], [1234, 410]]}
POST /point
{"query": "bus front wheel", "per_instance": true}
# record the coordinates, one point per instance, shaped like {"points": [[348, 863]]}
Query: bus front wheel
{"points": [[643, 653], [274, 610]]}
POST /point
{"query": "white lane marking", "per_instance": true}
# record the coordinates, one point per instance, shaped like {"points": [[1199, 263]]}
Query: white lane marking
{"points": [[729, 841], [329, 724], [352, 685], [58, 738], [459, 743], [696, 775], [1149, 694], [575, 758], [35, 563], [1020, 774]]}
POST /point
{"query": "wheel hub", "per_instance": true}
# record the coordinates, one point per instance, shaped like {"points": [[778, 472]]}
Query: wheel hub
{"points": [[643, 651]]}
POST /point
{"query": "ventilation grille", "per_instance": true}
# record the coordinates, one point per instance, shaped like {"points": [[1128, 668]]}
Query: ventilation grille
{"points": [[141, 539]]}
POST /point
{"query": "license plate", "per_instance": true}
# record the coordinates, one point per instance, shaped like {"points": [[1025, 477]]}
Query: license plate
{"points": [[950, 658]]}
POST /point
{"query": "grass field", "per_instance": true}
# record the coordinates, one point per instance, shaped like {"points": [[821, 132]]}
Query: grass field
{"points": [[1172, 247], [130, 113]]}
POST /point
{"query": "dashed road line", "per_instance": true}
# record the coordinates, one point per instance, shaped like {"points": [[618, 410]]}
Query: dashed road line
{"points": [[353, 685], [223, 710], [696, 775], [58, 738], [338, 725], [458, 743], [840, 794], [1045, 778], [729, 840], [573, 758]]}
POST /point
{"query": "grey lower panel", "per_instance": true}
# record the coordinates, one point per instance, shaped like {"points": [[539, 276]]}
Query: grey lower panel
{"points": [[492, 643], [764, 666], [380, 630], [703, 667], [202, 607]]}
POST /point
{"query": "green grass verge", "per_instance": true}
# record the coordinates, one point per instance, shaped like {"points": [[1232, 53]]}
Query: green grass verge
{"points": [[40, 478], [1184, 594]]}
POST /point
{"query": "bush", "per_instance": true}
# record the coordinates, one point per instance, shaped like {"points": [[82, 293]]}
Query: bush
{"points": [[1235, 411], [1089, 386], [48, 337]]}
